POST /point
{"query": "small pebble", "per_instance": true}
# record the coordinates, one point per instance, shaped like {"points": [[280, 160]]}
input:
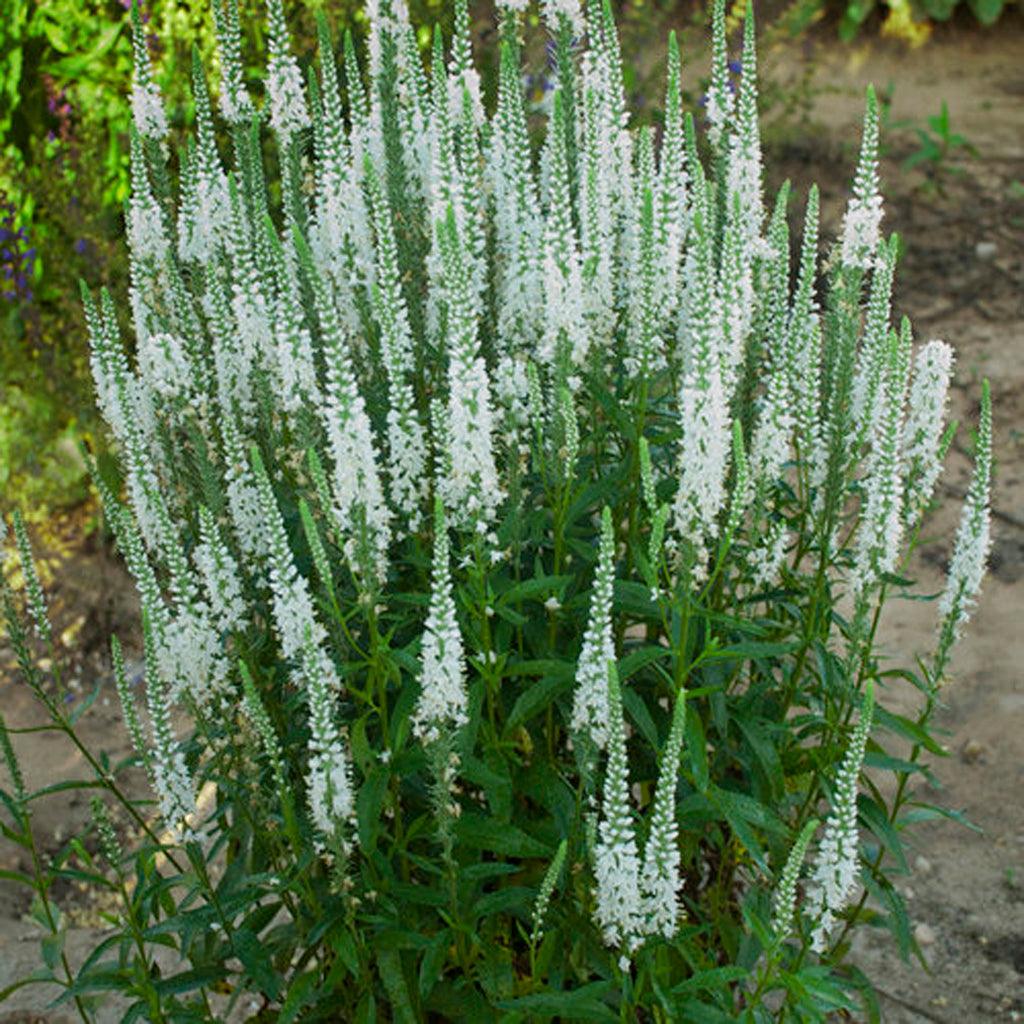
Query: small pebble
{"points": [[973, 752], [922, 865], [924, 934], [985, 250]]}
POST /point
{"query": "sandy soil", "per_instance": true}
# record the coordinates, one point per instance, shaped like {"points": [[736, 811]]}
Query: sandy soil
{"points": [[961, 279]]}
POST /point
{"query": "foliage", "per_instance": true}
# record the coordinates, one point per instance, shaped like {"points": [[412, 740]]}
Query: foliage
{"points": [[939, 149], [911, 20], [512, 532]]}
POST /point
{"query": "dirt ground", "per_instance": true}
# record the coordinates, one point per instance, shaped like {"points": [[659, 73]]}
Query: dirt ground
{"points": [[961, 279]]}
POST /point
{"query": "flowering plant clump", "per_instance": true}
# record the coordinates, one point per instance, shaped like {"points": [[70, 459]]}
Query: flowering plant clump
{"points": [[512, 528]]}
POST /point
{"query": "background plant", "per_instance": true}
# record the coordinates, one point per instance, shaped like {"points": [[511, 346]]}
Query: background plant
{"points": [[512, 530]]}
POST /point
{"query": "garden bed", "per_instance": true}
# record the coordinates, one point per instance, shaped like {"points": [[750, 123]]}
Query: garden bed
{"points": [[962, 277]]}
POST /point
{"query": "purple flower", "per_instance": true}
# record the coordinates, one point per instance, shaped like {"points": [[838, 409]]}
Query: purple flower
{"points": [[17, 260], [81, 246]]}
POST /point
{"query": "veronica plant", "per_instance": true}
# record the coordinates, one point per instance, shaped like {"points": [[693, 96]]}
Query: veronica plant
{"points": [[512, 528]]}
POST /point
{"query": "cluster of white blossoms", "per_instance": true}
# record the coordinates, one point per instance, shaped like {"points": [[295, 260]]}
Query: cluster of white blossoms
{"points": [[591, 714], [836, 867], [970, 554], [432, 313], [441, 706], [637, 897]]}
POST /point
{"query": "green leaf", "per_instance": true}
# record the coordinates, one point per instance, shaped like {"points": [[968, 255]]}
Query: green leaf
{"points": [[640, 658], [929, 812], [696, 748], [369, 804], [711, 978], [766, 755], [634, 599], [52, 947], [432, 964], [537, 696], [986, 11], [83, 705], [877, 821], [909, 730], [862, 984], [300, 994], [499, 837], [63, 787], [255, 957], [939, 10], [695, 1011], [496, 787], [539, 588], [389, 963], [897, 918], [515, 897], [583, 1003], [18, 877], [633, 703], [741, 812], [189, 981], [73, 67], [40, 976], [753, 650], [343, 943]]}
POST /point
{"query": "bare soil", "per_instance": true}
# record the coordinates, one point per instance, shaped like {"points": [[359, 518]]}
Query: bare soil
{"points": [[961, 278]]}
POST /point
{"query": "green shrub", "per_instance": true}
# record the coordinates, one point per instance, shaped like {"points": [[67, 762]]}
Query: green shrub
{"points": [[512, 530]]}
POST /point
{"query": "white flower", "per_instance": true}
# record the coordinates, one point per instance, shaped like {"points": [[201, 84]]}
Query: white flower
{"points": [[836, 864], [407, 452], [147, 235], [620, 906], [660, 880], [469, 483], [190, 656], [970, 554], [703, 402], [220, 575], [720, 100], [148, 112], [590, 712], [441, 705], [294, 619], [881, 528], [331, 797], [862, 223], [359, 505], [922, 434], [784, 900], [288, 111], [171, 780], [555, 10], [235, 104], [165, 364], [703, 460], [34, 589]]}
